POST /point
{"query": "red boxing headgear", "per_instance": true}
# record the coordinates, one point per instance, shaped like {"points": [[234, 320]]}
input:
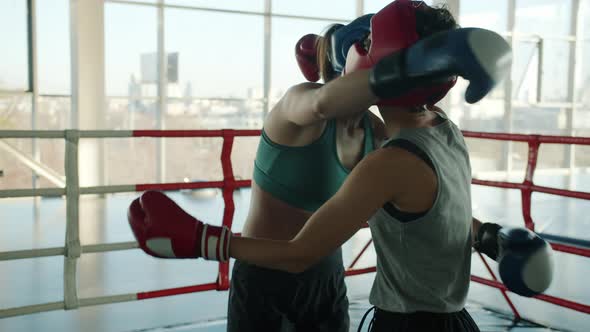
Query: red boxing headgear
{"points": [[393, 28]]}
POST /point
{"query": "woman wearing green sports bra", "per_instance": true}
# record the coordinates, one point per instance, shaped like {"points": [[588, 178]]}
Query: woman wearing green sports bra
{"points": [[311, 140]]}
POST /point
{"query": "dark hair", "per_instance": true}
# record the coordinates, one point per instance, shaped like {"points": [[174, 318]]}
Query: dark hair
{"points": [[324, 48], [430, 20]]}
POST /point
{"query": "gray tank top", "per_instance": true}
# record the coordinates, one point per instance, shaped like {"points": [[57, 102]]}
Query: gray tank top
{"points": [[424, 264]]}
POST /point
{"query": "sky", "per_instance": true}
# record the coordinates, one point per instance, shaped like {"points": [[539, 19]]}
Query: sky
{"points": [[221, 53]]}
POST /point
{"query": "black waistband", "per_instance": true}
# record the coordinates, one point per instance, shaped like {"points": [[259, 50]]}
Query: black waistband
{"points": [[459, 321], [327, 265], [416, 314]]}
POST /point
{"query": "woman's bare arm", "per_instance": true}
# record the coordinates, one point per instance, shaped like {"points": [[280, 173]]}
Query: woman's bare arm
{"points": [[379, 178], [309, 103]]}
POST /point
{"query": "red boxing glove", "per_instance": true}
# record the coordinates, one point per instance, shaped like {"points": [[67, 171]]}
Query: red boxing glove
{"points": [[165, 230], [306, 55]]}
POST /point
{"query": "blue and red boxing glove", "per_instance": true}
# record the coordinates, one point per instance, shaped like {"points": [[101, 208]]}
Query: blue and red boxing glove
{"points": [[346, 36]]}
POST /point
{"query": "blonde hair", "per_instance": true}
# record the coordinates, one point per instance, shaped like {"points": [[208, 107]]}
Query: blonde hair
{"points": [[324, 48]]}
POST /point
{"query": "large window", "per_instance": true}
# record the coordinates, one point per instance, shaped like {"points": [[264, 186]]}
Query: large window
{"points": [[215, 63], [490, 15], [131, 86], [326, 8], [285, 33], [525, 70], [15, 101], [250, 5], [216, 60], [583, 79], [130, 34], [24, 105], [227, 62], [543, 17], [583, 55], [13, 33], [219, 54], [373, 6], [53, 44], [549, 21]]}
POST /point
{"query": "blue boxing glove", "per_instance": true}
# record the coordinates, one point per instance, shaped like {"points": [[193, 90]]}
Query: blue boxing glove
{"points": [[524, 259], [345, 37], [480, 56]]}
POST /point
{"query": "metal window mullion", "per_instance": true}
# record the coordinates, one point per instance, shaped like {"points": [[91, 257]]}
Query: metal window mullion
{"points": [[33, 78], [74, 59], [360, 8], [508, 116], [267, 71], [34, 89], [569, 153], [540, 62], [162, 94], [229, 11]]}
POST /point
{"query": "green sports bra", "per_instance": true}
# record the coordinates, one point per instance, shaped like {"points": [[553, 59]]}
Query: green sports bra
{"points": [[305, 176]]}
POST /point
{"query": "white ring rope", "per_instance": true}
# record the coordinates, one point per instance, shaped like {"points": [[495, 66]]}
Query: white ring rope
{"points": [[59, 251], [72, 249]]}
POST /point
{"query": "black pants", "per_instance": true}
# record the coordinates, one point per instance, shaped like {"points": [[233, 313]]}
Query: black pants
{"points": [[385, 321], [270, 300]]}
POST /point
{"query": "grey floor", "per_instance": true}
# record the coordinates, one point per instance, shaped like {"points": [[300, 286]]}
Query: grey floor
{"points": [[28, 224], [487, 321]]}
